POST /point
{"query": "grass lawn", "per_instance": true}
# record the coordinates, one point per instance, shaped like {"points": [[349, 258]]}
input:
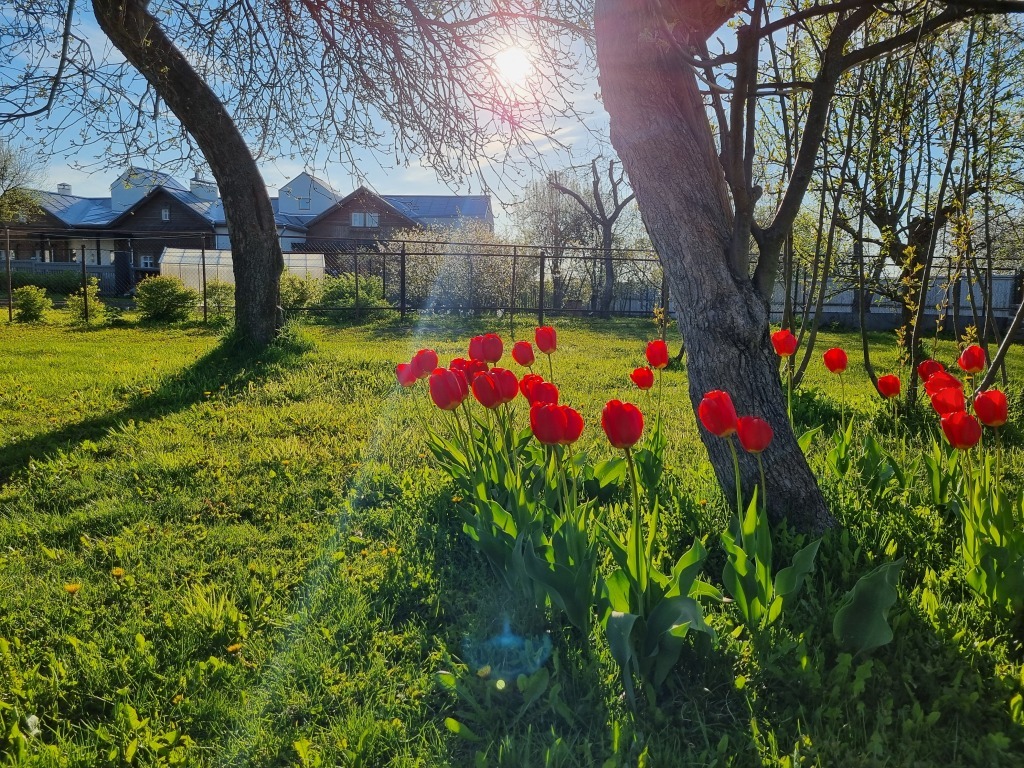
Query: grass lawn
{"points": [[214, 560]]}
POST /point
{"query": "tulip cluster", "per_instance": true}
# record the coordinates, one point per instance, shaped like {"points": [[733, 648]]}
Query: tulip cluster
{"points": [[718, 416], [946, 392], [422, 365]]}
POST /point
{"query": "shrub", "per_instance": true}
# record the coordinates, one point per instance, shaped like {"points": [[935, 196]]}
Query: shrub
{"points": [[340, 292], [30, 304], [64, 282], [165, 299], [299, 292], [220, 298], [77, 302]]}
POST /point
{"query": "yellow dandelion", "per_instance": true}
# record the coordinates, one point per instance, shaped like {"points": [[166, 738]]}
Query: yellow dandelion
{"points": [[234, 648], [177, 699], [117, 573], [484, 671], [456, 499], [72, 588]]}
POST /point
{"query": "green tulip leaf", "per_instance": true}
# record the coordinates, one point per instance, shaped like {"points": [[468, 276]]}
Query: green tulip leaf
{"points": [[862, 621], [610, 472], [789, 580]]}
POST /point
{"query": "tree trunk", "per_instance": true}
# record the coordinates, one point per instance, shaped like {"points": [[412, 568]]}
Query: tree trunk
{"points": [[661, 132], [608, 289], [256, 251]]}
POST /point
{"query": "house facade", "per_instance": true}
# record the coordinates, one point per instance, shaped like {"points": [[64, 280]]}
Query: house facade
{"points": [[148, 211]]}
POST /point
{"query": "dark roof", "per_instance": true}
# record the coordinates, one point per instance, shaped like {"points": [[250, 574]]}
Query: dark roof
{"points": [[433, 207], [74, 211]]}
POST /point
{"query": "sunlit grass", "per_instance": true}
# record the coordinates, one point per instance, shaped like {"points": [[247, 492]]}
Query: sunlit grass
{"points": [[256, 555]]}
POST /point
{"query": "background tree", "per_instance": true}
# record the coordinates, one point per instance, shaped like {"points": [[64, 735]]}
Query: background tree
{"points": [[698, 199], [236, 81], [603, 209], [19, 173], [546, 217]]}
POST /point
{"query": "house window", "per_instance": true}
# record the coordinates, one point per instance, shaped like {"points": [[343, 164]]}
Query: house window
{"points": [[165, 213], [365, 219], [146, 261]]}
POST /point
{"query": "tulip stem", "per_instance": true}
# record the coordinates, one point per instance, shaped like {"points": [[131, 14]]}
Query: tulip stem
{"points": [[789, 389], [999, 461], [638, 540], [842, 395], [764, 486], [657, 424], [736, 471]]}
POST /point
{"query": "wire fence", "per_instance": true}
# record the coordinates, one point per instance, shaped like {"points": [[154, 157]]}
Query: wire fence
{"points": [[360, 279]]}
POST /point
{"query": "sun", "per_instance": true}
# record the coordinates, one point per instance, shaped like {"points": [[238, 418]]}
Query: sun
{"points": [[513, 66]]}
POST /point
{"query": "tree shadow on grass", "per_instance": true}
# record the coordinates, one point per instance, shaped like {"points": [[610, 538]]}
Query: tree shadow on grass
{"points": [[231, 365]]}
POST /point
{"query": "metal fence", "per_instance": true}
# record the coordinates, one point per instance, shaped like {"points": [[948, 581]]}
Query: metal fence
{"points": [[363, 278]]}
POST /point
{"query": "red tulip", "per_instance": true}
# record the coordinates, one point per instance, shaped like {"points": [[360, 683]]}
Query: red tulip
{"points": [[643, 378], [622, 423], [495, 387], [556, 424], [961, 429], [948, 400], [406, 373], [835, 360], [717, 413], [657, 354], [543, 392], [469, 368], [929, 368], [546, 339], [755, 434], [990, 406], [448, 388], [424, 362], [889, 386], [784, 342], [522, 353], [941, 380], [526, 384], [476, 348], [485, 390], [493, 347], [972, 360]]}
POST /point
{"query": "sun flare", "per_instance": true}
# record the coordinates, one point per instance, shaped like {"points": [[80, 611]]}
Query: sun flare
{"points": [[513, 66]]}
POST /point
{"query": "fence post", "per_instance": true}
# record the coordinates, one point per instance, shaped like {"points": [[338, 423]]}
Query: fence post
{"points": [[512, 296], [10, 288], [540, 302], [355, 271], [202, 262], [401, 286], [85, 286]]}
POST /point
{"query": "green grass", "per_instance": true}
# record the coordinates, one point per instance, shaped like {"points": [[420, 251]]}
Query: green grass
{"points": [[270, 575]]}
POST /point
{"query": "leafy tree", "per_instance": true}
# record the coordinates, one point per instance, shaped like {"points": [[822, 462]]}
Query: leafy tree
{"points": [[236, 81]]}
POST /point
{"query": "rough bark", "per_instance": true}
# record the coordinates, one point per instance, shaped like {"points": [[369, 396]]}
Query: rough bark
{"points": [[256, 252], [661, 132]]}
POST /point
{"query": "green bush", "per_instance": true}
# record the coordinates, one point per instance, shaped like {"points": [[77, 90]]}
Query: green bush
{"points": [[65, 283], [165, 299], [340, 292], [76, 304], [30, 304], [299, 292], [220, 298]]}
